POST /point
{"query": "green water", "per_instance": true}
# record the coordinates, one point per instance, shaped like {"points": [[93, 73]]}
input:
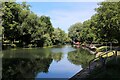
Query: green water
{"points": [[36, 63]]}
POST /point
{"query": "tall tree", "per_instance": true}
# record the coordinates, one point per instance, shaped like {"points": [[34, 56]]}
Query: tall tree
{"points": [[43, 32], [74, 31], [59, 36], [87, 32], [22, 25], [10, 20], [107, 24], [47, 25]]}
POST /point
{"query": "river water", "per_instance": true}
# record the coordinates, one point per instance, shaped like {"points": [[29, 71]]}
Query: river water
{"points": [[37, 63]]}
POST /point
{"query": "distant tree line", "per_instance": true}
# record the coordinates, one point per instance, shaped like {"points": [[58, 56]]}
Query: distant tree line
{"points": [[23, 28], [104, 26]]}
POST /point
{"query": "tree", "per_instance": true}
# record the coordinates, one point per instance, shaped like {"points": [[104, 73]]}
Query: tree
{"points": [[59, 36], [87, 32], [29, 27], [107, 21], [48, 28], [10, 20], [47, 40], [82, 32], [23, 26], [74, 31], [43, 31]]}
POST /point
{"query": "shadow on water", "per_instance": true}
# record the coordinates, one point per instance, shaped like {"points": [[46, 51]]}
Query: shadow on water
{"points": [[27, 63]]}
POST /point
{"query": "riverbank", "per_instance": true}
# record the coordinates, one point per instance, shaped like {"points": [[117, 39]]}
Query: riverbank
{"points": [[8, 46], [110, 71], [83, 74], [90, 72]]}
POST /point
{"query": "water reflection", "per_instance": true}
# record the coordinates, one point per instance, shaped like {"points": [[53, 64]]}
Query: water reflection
{"points": [[60, 62], [57, 56], [80, 57], [25, 63], [24, 68]]}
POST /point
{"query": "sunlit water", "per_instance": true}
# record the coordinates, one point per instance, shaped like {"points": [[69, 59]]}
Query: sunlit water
{"points": [[59, 62]]}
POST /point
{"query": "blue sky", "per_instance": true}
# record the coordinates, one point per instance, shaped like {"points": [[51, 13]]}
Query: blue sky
{"points": [[64, 14]]}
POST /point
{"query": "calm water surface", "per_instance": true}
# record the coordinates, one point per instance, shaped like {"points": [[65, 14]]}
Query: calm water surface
{"points": [[58, 62]]}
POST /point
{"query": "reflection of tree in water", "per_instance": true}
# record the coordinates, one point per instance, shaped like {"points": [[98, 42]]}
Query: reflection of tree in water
{"points": [[27, 63], [80, 57], [57, 56], [24, 68], [27, 53]]}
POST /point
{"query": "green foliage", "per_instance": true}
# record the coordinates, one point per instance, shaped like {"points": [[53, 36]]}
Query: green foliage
{"points": [[10, 20], [47, 39], [82, 32], [45, 21], [22, 25], [103, 26], [59, 36], [87, 32], [75, 31], [107, 21]]}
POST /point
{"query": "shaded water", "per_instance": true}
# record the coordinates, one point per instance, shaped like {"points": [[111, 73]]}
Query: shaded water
{"points": [[59, 62]]}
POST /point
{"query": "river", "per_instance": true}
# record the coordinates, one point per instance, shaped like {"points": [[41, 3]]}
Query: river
{"points": [[37, 63]]}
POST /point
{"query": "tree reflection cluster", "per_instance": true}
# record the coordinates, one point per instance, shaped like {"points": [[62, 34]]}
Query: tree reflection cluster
{"points": [[28, 63], [80, 57]]}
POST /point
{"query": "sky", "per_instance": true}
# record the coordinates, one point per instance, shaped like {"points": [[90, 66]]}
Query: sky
{"points": [[64, 14]]}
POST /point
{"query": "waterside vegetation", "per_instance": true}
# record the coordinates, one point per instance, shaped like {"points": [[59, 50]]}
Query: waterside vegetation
{"points": [[23, 28]]}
